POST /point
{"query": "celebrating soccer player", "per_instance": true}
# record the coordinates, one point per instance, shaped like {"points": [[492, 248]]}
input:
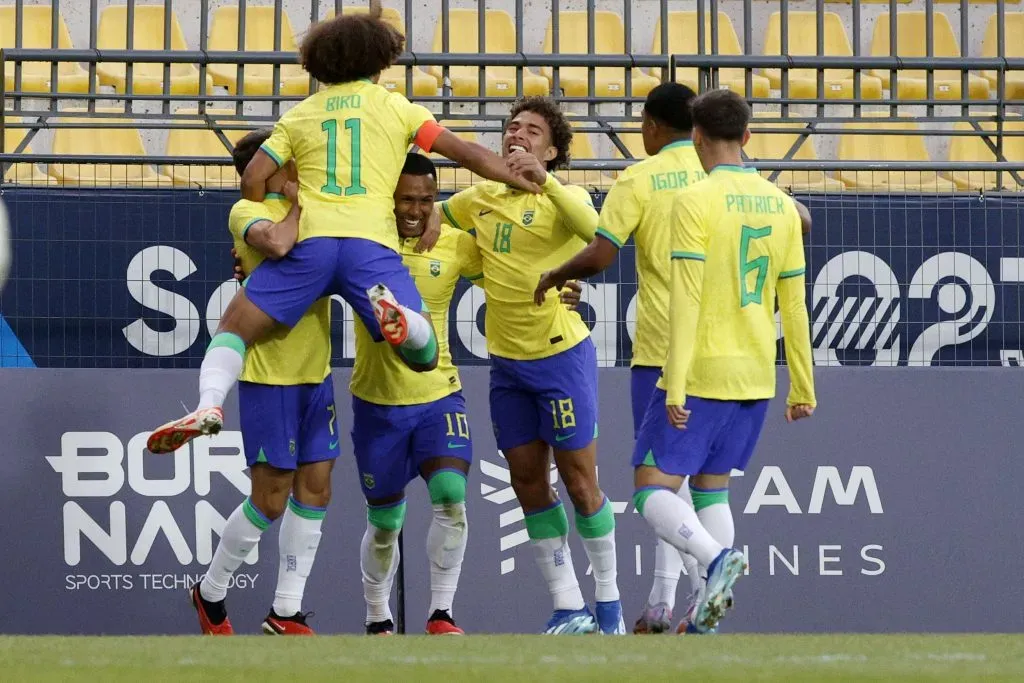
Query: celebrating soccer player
{"points": [[349, 142], [640, 204], [543, 363], [289, 423], [736, 243]]}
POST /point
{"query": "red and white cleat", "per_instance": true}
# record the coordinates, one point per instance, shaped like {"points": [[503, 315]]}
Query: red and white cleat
{"points": [[205, 612], [294, 625], [393, 325], [442, 624], [173, 435]]}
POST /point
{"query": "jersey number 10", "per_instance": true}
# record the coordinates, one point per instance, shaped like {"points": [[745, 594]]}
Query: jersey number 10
{"points": [[355, 187]]}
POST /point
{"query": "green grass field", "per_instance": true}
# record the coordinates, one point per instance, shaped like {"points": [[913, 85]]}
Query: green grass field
{"points": [[522, 659]]}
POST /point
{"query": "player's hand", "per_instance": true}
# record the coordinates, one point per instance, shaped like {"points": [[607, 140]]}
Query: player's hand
{"points": [[527, 166], [428, 240], [548, 280], [238, 273], [571, 294], [291, 191], [678, 416], [798, 412]]}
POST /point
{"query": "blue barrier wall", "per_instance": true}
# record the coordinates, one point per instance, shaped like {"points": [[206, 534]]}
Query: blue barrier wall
{"points": [[138, 278]]}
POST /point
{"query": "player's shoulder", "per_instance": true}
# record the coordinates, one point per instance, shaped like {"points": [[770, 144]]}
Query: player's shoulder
{"points": [[452, 238], [244, 207]]}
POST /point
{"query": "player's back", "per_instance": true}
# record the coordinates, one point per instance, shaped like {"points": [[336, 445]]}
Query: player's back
{"points": [[747, 232], [349, 143]]}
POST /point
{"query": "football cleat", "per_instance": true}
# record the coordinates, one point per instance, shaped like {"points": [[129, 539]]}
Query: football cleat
{"points": [[571, 622], [655, 619], [686, 625], [208, 612], [722, 575], [295, 625], [173, 435], [393, 325], [441, 623], [609, 618], [380, 628]]}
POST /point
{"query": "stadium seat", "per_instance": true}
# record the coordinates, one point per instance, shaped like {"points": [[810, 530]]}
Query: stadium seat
{"points": [[633, 140], [36, 33], [148, 34], [580, 149], [455, 179], [22, 173], [910, 42], [1014, 29], [501, 39], [973, 148], [775, 146], [259, 36], [608, 40], [101, 141], [423, 84], [201, 142], [802, 39], [682, 39], [883, 149]]}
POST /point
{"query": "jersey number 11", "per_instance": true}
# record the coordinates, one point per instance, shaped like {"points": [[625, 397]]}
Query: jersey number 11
{"points": [[355, 187]]}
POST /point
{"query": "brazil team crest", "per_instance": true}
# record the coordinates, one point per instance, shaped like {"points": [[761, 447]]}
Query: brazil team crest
{"points": [[291, 446], [435, 268], [527, 217], [368, 480]]}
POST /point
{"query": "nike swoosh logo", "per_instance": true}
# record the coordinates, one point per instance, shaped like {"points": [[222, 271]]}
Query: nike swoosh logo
{"points": [[563, 437], [333, 445], [484, 212], [456, 445]]}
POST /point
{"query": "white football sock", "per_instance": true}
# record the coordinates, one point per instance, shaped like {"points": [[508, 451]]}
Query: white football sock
{"points": [[378, 559], [420, 330], [446, 548], [668, 563], [555, 561], [298, 541], [717, 519], [219, 372], [676, 522], [241, 533], [601, 553], [690, 563]]}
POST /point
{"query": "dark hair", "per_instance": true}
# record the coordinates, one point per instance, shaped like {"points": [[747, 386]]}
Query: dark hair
{"points": [[419, 164], [721, 115], [561, 131], [350, 47], [669, 105], [246, 148]]}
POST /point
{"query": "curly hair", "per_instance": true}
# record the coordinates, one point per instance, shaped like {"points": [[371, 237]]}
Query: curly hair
{"points": [[558, 122], [350, 47], [246, 148]]}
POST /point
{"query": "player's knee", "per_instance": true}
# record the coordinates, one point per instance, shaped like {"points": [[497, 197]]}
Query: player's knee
{"points": [[386, 518], [533, 492], [447, 487], [270, 503], [313, 485], [585, 494]]}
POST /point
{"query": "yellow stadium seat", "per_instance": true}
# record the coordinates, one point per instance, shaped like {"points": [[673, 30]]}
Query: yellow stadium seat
{"points": [[802, 39], [148, 34], [455, 179], [973, 148], [500, 34], [36, 27], [886, 149], [682, 39], [101, 141], [582, 149], [631, 137], [608, 40], [1014, 30], [910, 42], [775, 146], [201, 142], [259, 36], [393, 78], [22, 172]]}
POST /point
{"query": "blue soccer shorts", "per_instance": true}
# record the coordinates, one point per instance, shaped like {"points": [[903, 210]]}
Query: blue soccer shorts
{"points": [[643, 380], [391, 443], [288, 426], [552, 399], [321, 266], [720, 436]]}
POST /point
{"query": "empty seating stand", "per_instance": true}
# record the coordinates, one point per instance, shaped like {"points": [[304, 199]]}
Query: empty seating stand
{"points": [[856, 144], [37, 33], [258, 79], [101, 141]]}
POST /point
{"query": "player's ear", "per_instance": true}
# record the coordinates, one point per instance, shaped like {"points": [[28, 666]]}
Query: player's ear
{"points": [[549, 154], [746, 138]]}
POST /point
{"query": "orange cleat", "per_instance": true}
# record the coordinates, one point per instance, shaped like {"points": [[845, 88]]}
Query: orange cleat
{"points": [[173, 435], [442, 624], [294, 625], [207, 612], [393, 325]]}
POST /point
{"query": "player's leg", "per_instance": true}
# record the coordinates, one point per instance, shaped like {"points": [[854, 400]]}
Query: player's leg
{"points": [[380, 290], [300, 532], [516, 424], [443, 452], [276, 292]]}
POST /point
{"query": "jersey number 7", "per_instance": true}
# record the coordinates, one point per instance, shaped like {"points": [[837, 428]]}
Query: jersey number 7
{"points": [[355, 187]]}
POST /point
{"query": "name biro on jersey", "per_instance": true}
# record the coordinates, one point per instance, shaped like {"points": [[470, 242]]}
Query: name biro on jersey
{"points": [[344, 102]]}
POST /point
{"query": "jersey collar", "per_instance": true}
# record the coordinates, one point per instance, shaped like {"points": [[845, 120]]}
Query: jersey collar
{"points": [[677, 143], [733, 168]]}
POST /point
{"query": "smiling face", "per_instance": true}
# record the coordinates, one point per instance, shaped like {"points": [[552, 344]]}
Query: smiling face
{"points": [[414, 202], [529, 132]]}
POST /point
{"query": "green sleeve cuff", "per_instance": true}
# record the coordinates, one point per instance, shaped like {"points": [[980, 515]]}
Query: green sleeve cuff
{"points": [[792, 273], [270, 153], [601, 232], [245, 230], [688, 255]]}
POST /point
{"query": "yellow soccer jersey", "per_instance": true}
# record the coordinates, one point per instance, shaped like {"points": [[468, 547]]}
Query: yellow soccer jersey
{"points": [[301, 355], [379, 375], [349, 143], [520, 235], [640, 204], [736, 242]]}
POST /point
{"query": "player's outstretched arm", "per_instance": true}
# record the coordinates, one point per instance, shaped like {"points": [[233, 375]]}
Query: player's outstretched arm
{"points": [[479, 160], [254, 180], [591, 260]]}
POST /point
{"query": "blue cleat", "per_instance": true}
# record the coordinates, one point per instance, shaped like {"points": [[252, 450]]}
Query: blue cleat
{"points": [[571, 622], [609, 618], [722, 575]]}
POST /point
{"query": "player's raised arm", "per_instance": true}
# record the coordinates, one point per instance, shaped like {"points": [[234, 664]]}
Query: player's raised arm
{"points": [[480, 160], [791, 292], [275, 240]]}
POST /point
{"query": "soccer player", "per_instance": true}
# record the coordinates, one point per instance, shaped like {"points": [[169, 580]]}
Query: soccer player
{"points": [[288, 419], [639, 204], [543, 392], [348, 141], [736, 245]]}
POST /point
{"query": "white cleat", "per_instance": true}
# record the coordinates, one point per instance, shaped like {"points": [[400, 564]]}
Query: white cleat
{"points": [[173, 435], [393, 325]]}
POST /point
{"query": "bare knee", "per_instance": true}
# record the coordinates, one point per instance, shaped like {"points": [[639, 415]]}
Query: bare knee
{"points": [[528, 472], [313, 484], [709, 481], [586, 496], [270, 489]]}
